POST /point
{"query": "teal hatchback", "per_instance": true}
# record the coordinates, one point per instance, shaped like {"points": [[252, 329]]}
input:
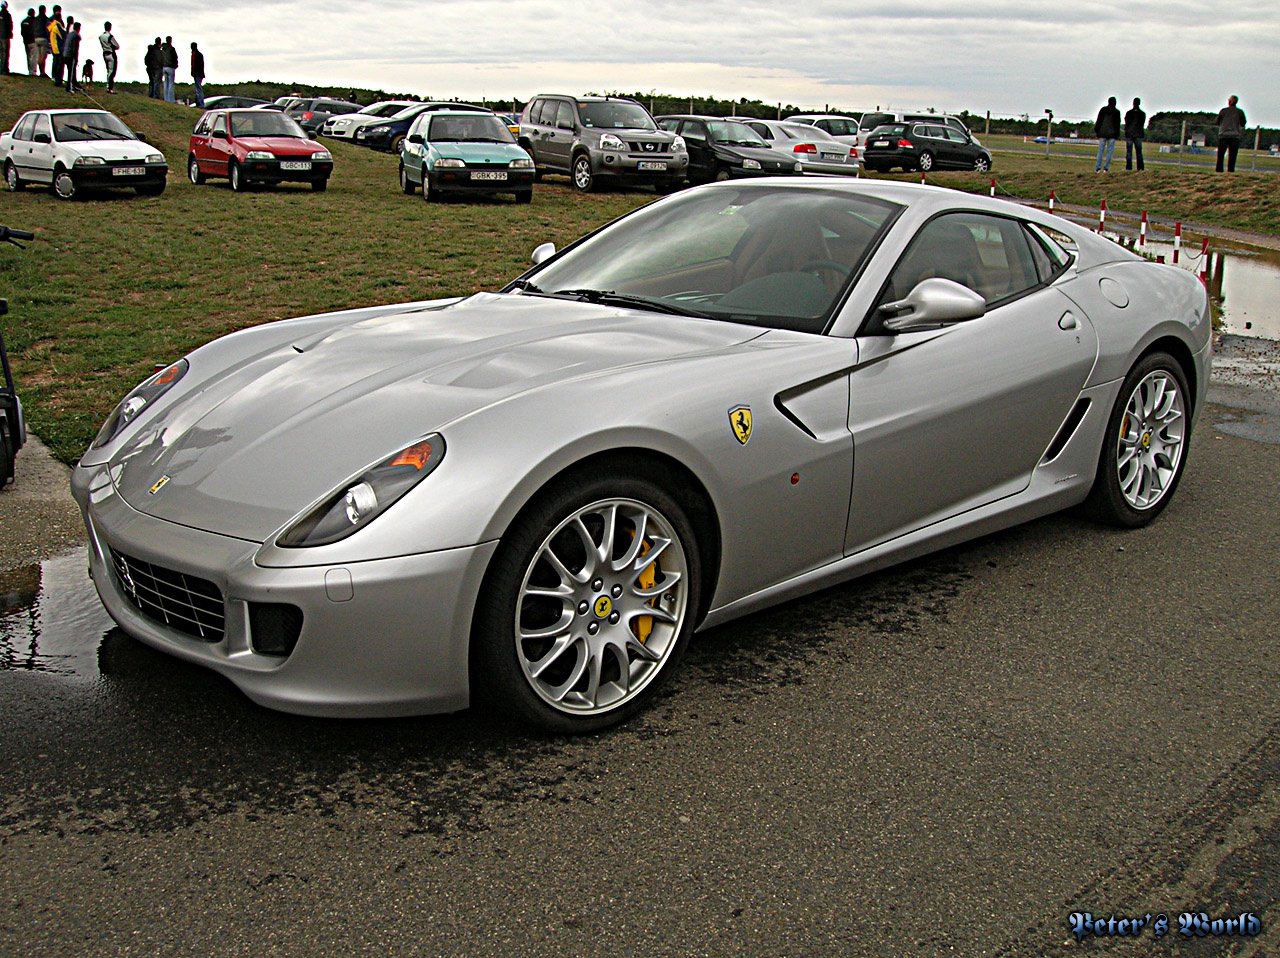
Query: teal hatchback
{"points": [[464, 152]]}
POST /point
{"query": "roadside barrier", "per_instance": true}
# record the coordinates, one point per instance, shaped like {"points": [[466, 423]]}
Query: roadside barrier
{"points": [[1102, 216], [1142, 230], [1177, 241]]}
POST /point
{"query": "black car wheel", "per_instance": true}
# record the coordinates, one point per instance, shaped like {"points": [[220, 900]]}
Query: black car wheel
{"points": [[982, 164], [7, 454], [524, 196], [397, 141], [428, 194], [584, 180], [64, 187], [193, 172], [406, 185], [152, 189], [925, 163], [238, 183], [319, 186], [11, 179]]}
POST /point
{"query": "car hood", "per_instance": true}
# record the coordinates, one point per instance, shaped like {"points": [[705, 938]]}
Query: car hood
{"points": [[497, 153], [767, 157], [250, 443], [279, 144], [109, 149]]}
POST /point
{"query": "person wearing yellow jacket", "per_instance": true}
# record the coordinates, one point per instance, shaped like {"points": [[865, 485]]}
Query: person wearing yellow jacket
{"points": [[56, 32]]}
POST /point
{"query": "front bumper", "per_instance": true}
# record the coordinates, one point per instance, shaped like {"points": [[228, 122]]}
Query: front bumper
{"points": [[640, 167], [449, 180], [270, 171], [382, 638], [375, 141], [106, 176]]}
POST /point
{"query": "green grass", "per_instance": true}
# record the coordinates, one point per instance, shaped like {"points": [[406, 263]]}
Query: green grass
{"points": [[116, 283]]}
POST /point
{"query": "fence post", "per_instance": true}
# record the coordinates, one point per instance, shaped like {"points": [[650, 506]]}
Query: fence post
{"points": [[1048, 139], [988, 133], [1051, 199], [1102, 216], [1257, 135], [1177, 241], [1142, 230], [993, 186], [1182, 141]]}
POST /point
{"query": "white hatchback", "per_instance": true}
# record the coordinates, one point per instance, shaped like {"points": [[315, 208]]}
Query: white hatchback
{"points": [[75, 150], [343, 126]]}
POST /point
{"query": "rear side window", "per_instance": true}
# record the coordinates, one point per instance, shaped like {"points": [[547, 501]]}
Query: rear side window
{"points": [[25, 128], [872, 120], [564, 115]]}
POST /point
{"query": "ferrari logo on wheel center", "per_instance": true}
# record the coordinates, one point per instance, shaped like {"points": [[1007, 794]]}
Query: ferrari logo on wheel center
{"points": [[1146, 440], [603, 607]]}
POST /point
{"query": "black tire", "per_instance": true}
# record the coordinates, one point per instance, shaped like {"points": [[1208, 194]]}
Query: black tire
{"points": [[524, 196], [64, 186], [982, 164], [153, 189], [319, 186], [925, 163], [429, 195], [238, 183], [667, 187], [12, 181], [7, 455], [1157, 444], [584, 181], [397, 141], [721, 174], [193, 172], [499, 660], [406, 185]]}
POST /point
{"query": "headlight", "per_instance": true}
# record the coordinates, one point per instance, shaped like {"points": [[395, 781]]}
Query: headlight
{"points": [[154, 158], [751, 164], [524, 163], [611, 142], [259, 155], [378, 129], [365, 497], [89, 161], [143, 396], [322, 155], [677, 145], [450, 163]]}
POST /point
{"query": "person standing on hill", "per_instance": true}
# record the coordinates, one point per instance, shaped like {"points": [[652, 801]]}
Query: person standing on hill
{"points": [[71, 54], [6, 36], [1231, 124], [110, 55], [168, 67], [56, 31], [1135, 128], [1107, 130], [152, 61], [197, 74], [42, 38]]}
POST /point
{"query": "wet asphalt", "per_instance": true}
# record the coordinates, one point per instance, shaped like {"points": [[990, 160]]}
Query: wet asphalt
{"points": [[948, 757]]}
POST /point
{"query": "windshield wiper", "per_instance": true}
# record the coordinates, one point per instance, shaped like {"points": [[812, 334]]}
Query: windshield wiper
{"points": [[525, 285], [607, 297]]}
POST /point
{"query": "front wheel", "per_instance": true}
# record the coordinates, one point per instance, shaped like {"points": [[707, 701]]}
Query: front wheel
{"points": [[64, 186], [982, 164], [193, 172], [588, 604], [429, 195], [238, 183], [584, 180], [1144, 449], [153, 189], [524, 196], [12, 181], [406, 185], [319, 186], [925, 162], [7, 455], [396, 142]]}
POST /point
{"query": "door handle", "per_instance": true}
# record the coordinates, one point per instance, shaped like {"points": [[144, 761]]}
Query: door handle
{"points": [[1068, 321]]}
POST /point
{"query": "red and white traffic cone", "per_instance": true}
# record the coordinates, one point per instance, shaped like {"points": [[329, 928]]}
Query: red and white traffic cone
{"points": [[1177, 241], [1102, 216], [993, 187], [922, 176], [1142, 230], [1051, 198]]}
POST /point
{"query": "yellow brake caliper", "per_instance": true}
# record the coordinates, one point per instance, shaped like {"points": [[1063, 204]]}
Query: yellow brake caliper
{"points": [[643, 625]]}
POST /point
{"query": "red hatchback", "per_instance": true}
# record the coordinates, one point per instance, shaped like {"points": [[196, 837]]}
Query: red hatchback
{"points": [[256, 146]]}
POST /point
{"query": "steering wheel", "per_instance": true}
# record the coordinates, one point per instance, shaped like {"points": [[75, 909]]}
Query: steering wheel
{"points": [[818, 265]]}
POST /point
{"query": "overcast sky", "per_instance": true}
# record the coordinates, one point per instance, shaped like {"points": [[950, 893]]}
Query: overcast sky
{"points": [[1007, 57]]}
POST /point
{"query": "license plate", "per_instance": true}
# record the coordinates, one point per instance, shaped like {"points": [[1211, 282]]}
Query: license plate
{"points": [[494, 175], [293, 165], [880, 143], [129, 171], [650, 165], [833, 156]]}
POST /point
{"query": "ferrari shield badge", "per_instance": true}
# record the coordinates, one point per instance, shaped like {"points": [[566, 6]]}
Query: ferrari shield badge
{"points": [[160, 484], [740, 422]]}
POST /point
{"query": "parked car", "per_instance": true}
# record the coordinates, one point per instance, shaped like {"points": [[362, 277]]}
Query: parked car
{"points": [[923, 146], [843, 128], [312, 112], [816, 149], [231, 102], [512, 121], [343, 126], [452, 151], [75, 151], [870, 121], [742, 393], [598, 139], [722, 149], [389, 135], [256, 146]]}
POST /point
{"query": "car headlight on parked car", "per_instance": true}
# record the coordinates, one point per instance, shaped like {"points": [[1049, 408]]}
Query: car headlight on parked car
{"points": [[378, 131], [367, 496], [322, 155], [677, 145], [142, 396], [450, 162], [89, 161], [259, 155], [524, 163], [611, 142], [751, 164], [154, 158]]}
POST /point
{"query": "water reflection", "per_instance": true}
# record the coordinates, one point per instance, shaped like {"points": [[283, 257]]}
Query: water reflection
{"points": [[50, 618]]}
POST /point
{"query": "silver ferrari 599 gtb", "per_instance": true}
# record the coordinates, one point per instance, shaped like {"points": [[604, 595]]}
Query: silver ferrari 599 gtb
{"points": [[723, 400]]}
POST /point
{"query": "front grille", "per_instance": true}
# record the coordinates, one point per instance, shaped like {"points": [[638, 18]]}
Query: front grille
{"points": [[189, 604], [649, 148]]}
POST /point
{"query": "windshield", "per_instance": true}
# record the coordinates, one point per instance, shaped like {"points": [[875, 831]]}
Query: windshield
{"points": [[734, 134], [870, 121], [480, 128], [761, 255], [890, 129], [616, 115], [265, 123], [70, 127]]}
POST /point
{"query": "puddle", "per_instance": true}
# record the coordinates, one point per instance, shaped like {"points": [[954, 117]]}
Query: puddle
{"points": [[51, 620]]}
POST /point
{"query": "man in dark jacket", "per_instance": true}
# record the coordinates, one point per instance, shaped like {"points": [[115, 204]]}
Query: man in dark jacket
{"points": [[168, 67], [152, 60], [1135, 128], [29, 42], [197, 74], [42, 38], [1107, 130], [1231, 124], [6, 35], [71, 54]]}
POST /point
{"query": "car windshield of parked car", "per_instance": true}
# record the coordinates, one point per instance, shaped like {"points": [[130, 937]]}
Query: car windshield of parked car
{"points": [[72, 127], [265, 123], [616, 115], [730, 133], [765, 256], [479, 128]]}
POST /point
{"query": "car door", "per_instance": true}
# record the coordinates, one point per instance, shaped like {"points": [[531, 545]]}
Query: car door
{"points": [[557, 141], [21, 146], [200, 143], [702, 154], [219, 148], [40, 155], [950, 419]]}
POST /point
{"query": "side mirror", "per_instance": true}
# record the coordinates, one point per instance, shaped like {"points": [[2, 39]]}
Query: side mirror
{"points": [[542, 253], [140, 135], [415, 138], [42, 138], [222, 135], [932, 303]]}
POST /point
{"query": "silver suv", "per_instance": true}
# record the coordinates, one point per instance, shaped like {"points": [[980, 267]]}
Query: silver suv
{"points": [[598, 138]]}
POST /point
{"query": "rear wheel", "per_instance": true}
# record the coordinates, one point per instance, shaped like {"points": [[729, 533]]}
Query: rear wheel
{"points": [[406, 185], [238, 183], [1144, 449], [193, 172], [925, 163], [584, 180], [982, 164], [11, 179], [588, 604]]}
